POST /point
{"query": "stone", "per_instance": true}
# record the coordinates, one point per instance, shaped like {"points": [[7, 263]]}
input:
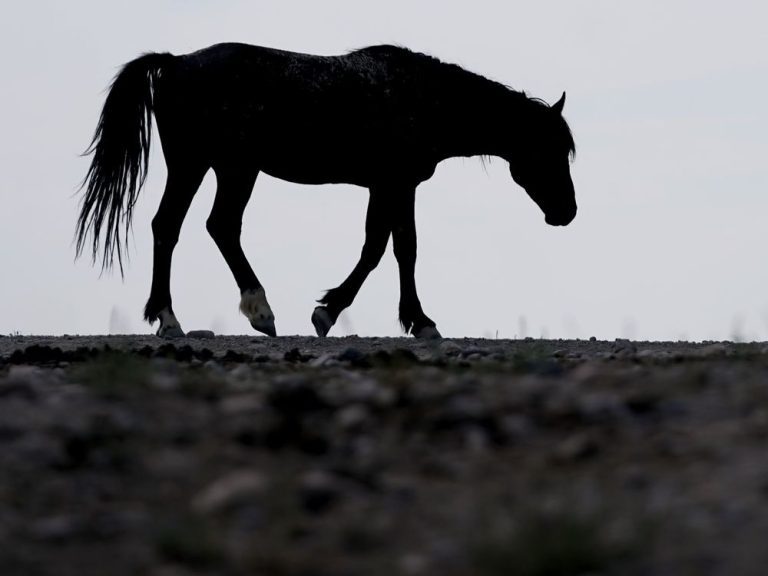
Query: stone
{"points": [[242, 403], [55, 528], [324, 360], [712, 350], [576, 447], [228, 491], [449, 348], [352, 417], [21, 382], [201, 334], [352, 355], [319, 491]]}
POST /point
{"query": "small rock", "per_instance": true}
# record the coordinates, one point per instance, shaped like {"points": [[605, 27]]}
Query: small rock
{"points": [[201, 334], [449, 348], [295, 355], [164, 381], [323, 360], [229, 491], [468, 352], [352, 417], [646, 354], [55, 528], [414, 564], [21, 382], [576, 447], [213, 366], [462, 409], [352, 355], [476, 439], [623, 348], [513, 427], [319, 491], [718, 349], [239, 373], [240, 404], [595, 407]]}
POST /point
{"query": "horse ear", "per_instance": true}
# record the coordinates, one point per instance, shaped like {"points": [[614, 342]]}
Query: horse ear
{"points": [[558, 106]]}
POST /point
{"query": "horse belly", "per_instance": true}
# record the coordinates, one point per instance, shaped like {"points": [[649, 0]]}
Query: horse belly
{"points": [[315, 165]]}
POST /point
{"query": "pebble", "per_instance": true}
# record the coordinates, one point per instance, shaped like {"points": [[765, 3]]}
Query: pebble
{"points": [[213, 366], [319, 491], [239, 373], [201, 334], [352, 417], [353, 356], [21, 382], [595, 407], [514, 427], [324, 360], [578, 446], [236, 404], [163, 381], [55, 528], [718, 349], [449, 348], [414, 564], [230, 490]]}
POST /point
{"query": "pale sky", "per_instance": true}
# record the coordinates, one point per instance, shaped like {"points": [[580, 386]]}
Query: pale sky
{"points": [[667, 101]]}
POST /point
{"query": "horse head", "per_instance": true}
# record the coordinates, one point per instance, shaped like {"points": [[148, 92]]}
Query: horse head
{"points": [[540, 163]]}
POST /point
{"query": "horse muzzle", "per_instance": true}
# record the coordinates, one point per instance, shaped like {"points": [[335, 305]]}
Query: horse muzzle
{"points": [[560, 218]]}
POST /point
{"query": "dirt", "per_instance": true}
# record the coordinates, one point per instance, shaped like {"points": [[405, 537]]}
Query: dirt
{"points": [[304, 456]]}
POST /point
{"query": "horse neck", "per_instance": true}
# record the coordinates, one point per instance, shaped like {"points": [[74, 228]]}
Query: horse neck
{"points": [[483, 120]]}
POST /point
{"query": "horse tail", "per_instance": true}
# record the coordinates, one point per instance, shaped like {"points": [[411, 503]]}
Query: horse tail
{"points": [[120, 149]]}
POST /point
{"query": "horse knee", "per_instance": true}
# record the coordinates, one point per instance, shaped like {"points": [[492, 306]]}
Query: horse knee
{"points": [[372, 254]]}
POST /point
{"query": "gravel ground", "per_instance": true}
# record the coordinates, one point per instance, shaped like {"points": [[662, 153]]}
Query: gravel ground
{"points": [[345, 456]]}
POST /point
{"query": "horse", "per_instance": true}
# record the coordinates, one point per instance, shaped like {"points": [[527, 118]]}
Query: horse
{"points": [[381, 117]]}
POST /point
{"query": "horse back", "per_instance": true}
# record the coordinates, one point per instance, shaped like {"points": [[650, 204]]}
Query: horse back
{"points": [[367, 109]]}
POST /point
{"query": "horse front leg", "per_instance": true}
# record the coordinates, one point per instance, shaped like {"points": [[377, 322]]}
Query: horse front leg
{"points": [[235, 184], [412, 317], [377, 230]]}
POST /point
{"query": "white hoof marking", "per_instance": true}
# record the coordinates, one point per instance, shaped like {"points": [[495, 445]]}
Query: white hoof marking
{"points": [[169, 326], [254, 305], [428, 333]]}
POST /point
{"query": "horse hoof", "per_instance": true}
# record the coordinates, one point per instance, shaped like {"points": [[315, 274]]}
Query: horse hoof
{"points": [[170, 332], [321, 320], [427, 333], [254, 305], [266, 326]]}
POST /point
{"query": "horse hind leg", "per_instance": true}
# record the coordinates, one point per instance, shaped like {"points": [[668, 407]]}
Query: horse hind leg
{"points": [[180, 188], [235, 184]]}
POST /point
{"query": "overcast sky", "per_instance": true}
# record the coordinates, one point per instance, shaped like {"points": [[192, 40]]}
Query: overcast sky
{"points": [[667, 101]]}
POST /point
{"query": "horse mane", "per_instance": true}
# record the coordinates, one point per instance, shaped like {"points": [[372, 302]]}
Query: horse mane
{"points": [[455, 72]]}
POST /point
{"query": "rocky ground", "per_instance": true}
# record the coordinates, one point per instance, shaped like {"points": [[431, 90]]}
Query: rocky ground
{"points": [[361, 456]]}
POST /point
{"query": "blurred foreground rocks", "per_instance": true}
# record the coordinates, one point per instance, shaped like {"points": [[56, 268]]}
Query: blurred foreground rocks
{"points": [[303, 456]]}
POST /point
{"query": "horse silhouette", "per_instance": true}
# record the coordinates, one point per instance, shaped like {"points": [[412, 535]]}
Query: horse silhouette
{"points": [[381, 117]]}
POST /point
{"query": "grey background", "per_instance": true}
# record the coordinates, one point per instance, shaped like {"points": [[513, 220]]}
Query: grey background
{"points": [[667, 101]]}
